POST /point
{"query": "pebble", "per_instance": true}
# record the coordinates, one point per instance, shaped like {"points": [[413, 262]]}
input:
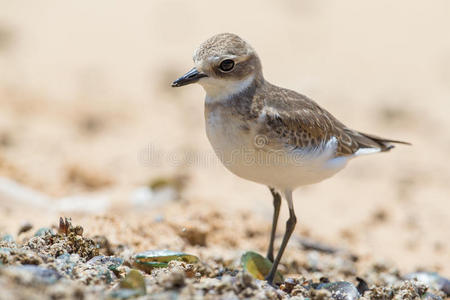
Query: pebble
{"points": [[340, 290], [431, 279], [25, 227], [67, 262], [8, 238], [148, 260], [32, 274], [111, 262], [430, 296], [43, 231], [133, 285], [258, 266]]}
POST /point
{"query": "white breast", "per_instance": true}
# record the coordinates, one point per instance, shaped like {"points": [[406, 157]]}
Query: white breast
{"points": [[227, 136], [235, 143]]}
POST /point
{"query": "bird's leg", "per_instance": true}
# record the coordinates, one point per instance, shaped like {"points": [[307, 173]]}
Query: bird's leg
{"points": [[276, 213], [290, 225]]}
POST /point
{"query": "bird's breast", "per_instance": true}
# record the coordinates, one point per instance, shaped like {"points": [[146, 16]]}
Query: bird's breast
{"points": [[229, 134], [237, 142]]}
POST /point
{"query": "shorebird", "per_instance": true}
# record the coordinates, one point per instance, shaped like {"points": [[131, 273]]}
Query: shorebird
{"points": [[269, 134]]}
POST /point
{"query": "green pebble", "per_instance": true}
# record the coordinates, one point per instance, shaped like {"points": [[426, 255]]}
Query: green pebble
{"points": [[259, 266]]}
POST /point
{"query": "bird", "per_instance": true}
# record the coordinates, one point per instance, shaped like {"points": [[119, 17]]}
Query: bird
{"points": [[269, 134]]}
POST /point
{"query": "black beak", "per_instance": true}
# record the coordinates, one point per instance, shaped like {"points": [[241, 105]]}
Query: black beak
{"points": [[190, 77]]}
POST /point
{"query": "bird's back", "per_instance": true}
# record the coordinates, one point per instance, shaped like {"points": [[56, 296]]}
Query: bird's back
{"points": [[299, 122]]}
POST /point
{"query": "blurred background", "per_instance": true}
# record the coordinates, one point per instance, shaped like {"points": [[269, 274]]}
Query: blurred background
{"points": [[90, 127]]}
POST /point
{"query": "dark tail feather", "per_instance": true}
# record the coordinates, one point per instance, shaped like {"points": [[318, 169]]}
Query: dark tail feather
{"points": [[385, 144]]}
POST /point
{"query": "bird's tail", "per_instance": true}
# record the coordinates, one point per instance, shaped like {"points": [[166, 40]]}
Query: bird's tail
{"points": [[385, 144]]}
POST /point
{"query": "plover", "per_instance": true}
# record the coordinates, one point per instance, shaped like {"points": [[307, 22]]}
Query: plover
{"points": [[268, 134]]}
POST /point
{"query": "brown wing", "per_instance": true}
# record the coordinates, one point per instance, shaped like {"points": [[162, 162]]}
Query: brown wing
{"points": [[299, 122]]}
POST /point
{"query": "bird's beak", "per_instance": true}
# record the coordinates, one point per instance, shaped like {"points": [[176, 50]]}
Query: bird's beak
{"points": [[190, 77]]}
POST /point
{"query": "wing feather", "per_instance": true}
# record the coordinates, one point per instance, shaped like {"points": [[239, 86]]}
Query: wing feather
{"points": [[296, 121]]}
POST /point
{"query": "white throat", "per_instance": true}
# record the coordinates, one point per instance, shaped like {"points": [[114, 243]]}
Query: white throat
{"points": [[221, 89]]}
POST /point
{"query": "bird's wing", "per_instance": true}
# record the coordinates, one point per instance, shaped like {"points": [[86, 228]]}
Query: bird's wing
{"points": [[296, 121]]}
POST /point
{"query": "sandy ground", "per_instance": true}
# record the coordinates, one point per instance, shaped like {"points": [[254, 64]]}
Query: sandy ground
{"points": [[88, 120]]}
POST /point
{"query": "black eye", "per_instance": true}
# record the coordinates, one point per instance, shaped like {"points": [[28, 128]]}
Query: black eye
{"points": [[226, 65]]}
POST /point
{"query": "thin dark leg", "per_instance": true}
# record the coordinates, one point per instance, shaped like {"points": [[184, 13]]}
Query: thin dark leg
{"points": [[276, 213], [290, 225]]}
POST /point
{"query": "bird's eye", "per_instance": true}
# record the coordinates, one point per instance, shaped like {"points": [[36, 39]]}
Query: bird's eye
{"points": [[226, 65]]}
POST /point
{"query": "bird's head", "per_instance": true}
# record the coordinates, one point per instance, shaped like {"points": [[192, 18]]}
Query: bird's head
{"points": [[225, 65]]}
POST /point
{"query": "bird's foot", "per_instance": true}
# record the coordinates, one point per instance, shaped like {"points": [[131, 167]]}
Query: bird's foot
{"points": [[269, 280]]}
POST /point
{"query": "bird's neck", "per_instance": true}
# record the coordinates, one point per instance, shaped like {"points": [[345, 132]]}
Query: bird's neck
{"points": [[223, 91]]}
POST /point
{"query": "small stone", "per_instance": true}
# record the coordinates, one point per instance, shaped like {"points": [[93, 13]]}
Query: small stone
{"points": [[178, 182], [125, 294], [25, 227], [148, 260], [133, 285], [362, 286], [258, 266], [111, 262], [322, 294], [5, 250], [134, 280], [78, 230], [431, 279], [430, 296], [288, 285], [5, 255], [66, 262], [340, 290], [43, 231], [103, 244], [31, 273], [8, 238], [173, 279], [194, 236]]}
